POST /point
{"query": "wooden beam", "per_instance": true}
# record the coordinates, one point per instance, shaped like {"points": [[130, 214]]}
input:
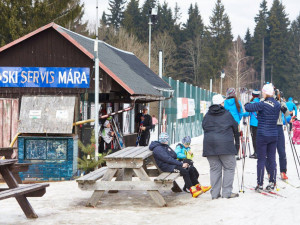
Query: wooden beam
{"points": [[126, 163], [126, 186]]}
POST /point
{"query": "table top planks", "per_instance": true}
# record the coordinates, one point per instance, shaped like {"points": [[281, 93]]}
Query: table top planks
{"points": [[140, 152], [6, 162]]}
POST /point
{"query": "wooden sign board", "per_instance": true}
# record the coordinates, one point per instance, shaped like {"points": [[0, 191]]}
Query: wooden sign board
{"points": [[47, 114]]}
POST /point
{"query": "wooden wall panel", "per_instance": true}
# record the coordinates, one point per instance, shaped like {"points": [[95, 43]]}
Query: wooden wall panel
{"points": [[6, 122], [14, 118]]}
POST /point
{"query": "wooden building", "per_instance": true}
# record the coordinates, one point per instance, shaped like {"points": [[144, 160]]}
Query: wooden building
{"points": [[124, 79]]}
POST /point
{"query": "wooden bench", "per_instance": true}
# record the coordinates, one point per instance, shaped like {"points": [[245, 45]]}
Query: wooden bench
{"points": [[19, 192], [91, 177], [28, 190], [124, 165], [18, 167]]}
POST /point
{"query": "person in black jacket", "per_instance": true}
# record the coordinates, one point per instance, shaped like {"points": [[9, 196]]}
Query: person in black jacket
{"points": [[144, 121], [166, 160], [220, 145]]}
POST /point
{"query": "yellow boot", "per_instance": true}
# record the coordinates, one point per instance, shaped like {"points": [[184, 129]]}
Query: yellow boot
{"points": [[195, 193], [202, 188]]}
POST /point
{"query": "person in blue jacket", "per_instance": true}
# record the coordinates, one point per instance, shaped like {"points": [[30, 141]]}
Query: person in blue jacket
{"points": [[291, 107], [185, 154], [253, 121], [233, 105], [183, 149], [166, 160], [267, 133]]}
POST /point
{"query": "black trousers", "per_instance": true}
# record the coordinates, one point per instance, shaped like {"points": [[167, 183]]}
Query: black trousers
{"points": [[190, 175], [253, 131], [145, 137]]}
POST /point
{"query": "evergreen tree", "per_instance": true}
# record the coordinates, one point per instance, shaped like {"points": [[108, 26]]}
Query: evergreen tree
{"points": [[294, 59], [88, 162], [279, 45], [165, 21], [247, 43], [260, 34], [103, 20], [218, 40], [116, 8], [194, 25], [21, 17], [144, 31], [132, 18]]}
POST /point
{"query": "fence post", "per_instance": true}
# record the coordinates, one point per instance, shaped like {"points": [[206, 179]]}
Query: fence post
{"points": [[169, 128], [176, 130], [190, 117]]}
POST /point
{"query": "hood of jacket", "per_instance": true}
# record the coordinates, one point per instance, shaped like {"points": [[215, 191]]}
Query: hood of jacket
{"points": [[230, 101], [154, 144], [256, 100], [216, 110]]}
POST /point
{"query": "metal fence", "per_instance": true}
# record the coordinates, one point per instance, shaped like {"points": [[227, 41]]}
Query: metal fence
{"points": [[191, 126]]}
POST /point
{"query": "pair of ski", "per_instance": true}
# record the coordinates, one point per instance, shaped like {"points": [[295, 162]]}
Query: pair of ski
{"points": [[271, 194]]}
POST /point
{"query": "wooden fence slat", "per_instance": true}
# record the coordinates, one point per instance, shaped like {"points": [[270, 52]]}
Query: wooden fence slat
{"points": [[6, 122], [1, 123]]}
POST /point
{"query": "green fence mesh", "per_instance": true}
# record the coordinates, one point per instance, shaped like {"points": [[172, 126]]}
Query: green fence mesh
{"points": [[191, 126]]}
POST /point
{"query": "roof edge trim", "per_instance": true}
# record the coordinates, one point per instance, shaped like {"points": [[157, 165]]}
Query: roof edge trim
{"points": [[26, 36]]}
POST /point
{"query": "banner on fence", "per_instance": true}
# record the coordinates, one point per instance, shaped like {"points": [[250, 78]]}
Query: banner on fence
{"points": [[204, 106], [185, 108], [191, 107]]}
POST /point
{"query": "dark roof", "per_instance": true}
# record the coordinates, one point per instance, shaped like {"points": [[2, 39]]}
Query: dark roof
{"points": [[124, 67]]}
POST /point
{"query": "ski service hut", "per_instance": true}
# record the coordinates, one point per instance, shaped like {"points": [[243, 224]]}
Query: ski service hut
{"points": [[47, 83]]}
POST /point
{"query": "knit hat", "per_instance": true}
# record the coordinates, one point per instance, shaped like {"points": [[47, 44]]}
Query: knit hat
{"points": [[217, 99], [186, 140], [255, 93], [268, 89], [230, 92], [290, 99], [163, 138]]}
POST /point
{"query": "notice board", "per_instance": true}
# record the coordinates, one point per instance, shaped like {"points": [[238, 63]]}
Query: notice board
{"points": [[47, 114]]}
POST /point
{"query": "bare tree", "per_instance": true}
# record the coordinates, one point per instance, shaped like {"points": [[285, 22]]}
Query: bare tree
{"points": [[239, 68], [163, 41]]}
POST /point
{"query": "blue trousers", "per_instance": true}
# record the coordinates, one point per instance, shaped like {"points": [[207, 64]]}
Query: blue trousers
{"points": [[266, 152], [280, 150]]}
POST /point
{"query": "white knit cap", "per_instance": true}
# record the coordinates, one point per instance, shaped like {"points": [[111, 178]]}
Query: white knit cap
{"points": [[268, 89], [217, 99]]}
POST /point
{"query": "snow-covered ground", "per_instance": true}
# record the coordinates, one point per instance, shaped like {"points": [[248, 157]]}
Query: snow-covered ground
{"points": [[64, 203]]}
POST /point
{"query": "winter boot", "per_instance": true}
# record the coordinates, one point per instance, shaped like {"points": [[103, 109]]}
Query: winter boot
{"points": [[253, 156], [270, 187], [233, 195], [284, 176], [195, 193], [203, 188], [259, 188]]}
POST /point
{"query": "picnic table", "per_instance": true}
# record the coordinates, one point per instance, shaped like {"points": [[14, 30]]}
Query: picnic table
{"points": [[124, 165], [20, 192], [17, 167]]}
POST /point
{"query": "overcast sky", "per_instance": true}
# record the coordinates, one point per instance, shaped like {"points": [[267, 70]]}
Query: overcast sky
{"points": [[241, 12]]}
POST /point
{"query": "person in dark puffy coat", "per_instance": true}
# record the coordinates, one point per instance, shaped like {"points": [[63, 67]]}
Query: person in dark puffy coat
{"points": [[220, 145], [267, 132], [166, 160]]}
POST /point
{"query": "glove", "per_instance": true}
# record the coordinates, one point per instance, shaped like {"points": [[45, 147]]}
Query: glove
{"points": [[283, 109]]}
